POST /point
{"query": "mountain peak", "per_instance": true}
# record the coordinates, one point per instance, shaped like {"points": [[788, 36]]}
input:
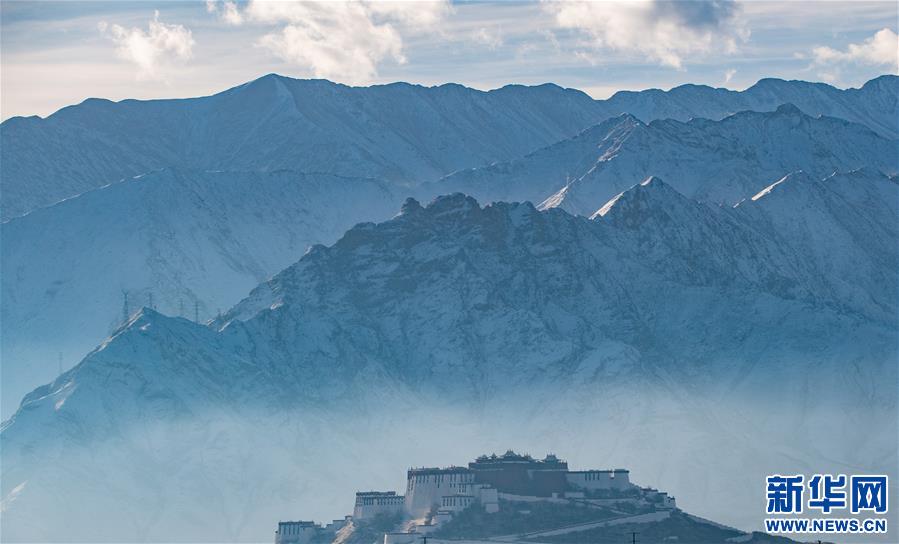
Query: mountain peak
{"points": [[452, 204], [638, 201], [410, 206], [613, 126], [886, 81], [142, 319]]}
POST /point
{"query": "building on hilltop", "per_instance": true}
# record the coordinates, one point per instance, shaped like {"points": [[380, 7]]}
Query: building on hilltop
{"points": [[434, 495], [304, 532], [522, 474], [487, 478], [426, 487], [590, 480], [296, 532], [661, 499], [337, 524], [373, 503]]}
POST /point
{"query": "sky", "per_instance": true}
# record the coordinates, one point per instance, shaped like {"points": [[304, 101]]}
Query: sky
{"points": [[54, 54]]}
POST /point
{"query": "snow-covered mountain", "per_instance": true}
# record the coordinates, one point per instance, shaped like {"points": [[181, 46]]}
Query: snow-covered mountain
{"points": [[190, 237], [722, 320], [194, 241], [715, 161], [398, 132], [700, 346], [875, 104]]}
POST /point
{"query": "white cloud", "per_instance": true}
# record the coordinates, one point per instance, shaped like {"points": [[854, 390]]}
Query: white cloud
{"points": [[663, 31], [343, 41], [729, 74], [423, 15], [486, 37], [881, 49], [151, 50], [227, 10]]}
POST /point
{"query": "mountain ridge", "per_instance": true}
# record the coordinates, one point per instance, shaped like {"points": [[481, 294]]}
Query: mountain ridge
{"points": [[719, 161], [480, 318], [504, 123], [196, 266], [400, 133], [675, 333]]}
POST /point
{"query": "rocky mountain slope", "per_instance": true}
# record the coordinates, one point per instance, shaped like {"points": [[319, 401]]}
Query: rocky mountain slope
{"points": [[193, 237], [195, 242], [715, 161], [675, 338], [401, 133], [398, 132], [875, 104]]}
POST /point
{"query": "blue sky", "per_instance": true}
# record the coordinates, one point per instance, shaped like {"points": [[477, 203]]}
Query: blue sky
{"points": [[58, 53]]}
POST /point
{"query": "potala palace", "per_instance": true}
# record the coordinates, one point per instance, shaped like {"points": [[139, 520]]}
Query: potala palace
{"points": [[435, 495]]}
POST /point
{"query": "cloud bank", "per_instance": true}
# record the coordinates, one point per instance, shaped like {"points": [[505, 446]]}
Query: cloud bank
{"points": [[227, 10], [152, 49], [342, 41], [881, 49], [663, 31]]}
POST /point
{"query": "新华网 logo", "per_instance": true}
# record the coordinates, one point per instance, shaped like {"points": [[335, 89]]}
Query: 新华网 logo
{"points": [[826, 494]]}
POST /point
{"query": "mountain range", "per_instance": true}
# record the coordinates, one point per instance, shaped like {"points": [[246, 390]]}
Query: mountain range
{"points": [[714, 161], [873, 104], [661, 324], [698, 285], [199, 232], [399, 132]]}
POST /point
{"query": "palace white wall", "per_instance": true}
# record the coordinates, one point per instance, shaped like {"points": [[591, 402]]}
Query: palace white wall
{"points": [[424, 491], [337, 524], [369, 506], [456, 503], [295, 533], [489, 499], [599, 479]]}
